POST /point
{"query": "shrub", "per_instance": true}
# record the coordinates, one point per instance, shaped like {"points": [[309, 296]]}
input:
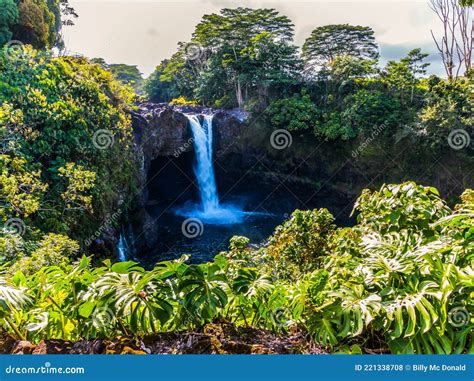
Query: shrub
{"points": [[182, 101], [301, 243], [405, 288], [297, 113], [52, 250], [366, 110], [67, 143]]}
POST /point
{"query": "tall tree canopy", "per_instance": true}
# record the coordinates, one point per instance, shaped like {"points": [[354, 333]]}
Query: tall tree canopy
{"points": [[8, 16], [126, 74], [331, 41], [238, 26], [253, 46], [238, 51], [34, 22]]}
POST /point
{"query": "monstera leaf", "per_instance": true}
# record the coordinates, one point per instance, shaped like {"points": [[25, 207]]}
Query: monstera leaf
{"points": [[250, 283], [203, 287]]}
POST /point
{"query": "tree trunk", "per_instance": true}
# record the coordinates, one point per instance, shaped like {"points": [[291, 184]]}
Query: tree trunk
{"points": [[238, 94]]}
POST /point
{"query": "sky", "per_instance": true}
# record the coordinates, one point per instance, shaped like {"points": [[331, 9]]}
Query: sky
{"points": [[144, 32]]}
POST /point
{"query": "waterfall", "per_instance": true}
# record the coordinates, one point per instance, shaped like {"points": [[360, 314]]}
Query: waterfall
{"points": [[126, 247], [122, 249], [209, 209], [204, 169]]}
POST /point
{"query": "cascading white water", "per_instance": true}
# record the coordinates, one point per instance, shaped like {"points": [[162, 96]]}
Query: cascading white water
{"points": [[126, 247], [204, 169], [122, 249], [209, 209]]}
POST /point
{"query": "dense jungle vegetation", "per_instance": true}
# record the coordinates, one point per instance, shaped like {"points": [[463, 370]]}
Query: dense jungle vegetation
{"points": [[334, 90], [400, 280]]}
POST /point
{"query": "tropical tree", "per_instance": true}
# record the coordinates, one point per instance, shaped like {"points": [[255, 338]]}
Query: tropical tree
{"points": [[245, 43], [61, 119], [233, 55], [8, 17], [404, 76], [328, 42], [39, 22], [127, 74]]}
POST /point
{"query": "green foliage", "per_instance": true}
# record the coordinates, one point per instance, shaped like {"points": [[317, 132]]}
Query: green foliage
{"points": [[347, 67], [173, 78], [400, 280], [297, 113], [34, 22], [328, 42], [300, 244], [448, 107], [405, 73], [332, 128], [367, 110], [52, 250], [128, 75], [22, 189], [8, 17], [63, 125], [398, 207], [406, 278], [237, 54], [182, 101]]}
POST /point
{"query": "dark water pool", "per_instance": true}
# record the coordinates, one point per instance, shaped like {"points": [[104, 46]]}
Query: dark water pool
{"points": [[181, 235]]}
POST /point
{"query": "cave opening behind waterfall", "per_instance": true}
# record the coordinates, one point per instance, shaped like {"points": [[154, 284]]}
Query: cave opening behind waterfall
{"points": [[175, 209], [172, 187]]}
